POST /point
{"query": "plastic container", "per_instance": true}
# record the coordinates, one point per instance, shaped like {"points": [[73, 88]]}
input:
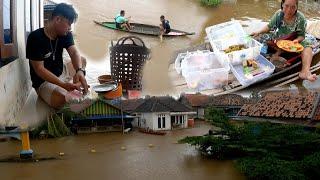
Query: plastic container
{"points": [[208, 78], [224, 35], [264, 64], [181, 57], [201, 61]]}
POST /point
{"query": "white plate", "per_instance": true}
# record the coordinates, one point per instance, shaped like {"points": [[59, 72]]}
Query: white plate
{"points": [[104, 87]]}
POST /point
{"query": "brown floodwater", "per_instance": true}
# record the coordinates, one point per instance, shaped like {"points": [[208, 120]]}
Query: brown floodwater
{"points": [[166, 160], [93, 41]]}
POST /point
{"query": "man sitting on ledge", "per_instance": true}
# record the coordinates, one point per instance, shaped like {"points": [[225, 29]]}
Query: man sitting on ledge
{"points": [[44, 51]]}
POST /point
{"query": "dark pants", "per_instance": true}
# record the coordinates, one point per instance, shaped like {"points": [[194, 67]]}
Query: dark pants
{"points": [[118, 25]]}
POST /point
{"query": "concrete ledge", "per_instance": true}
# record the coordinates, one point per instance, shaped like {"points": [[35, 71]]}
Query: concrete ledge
{"points": [[34, 112]]}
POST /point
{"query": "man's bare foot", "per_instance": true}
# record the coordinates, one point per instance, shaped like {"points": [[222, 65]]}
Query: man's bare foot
{"points": [[308, 76]]}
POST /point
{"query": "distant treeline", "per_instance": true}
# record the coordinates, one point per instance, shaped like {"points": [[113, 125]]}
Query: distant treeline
{"points": [[210, 2]]}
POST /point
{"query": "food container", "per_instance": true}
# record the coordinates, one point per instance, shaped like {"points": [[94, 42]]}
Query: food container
{"points": [[181, 57], [200, 61], [231, 33], [266, 66], [208, 75]]}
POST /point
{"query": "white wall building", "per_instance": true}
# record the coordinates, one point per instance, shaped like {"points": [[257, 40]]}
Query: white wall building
{"points": [[162, 113]]}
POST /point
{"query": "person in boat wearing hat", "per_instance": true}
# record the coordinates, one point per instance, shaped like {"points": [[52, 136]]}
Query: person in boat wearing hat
{"points": [[45, 53], [122, 22], [290, 24]]}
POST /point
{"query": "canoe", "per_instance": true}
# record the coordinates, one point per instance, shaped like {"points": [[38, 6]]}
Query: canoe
{"points": [[144, 29], [149, 131], [280, 75]]}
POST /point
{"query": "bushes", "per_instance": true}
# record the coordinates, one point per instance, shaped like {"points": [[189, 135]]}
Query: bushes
{"points": [[269, 167], [210, 2], [262, 150]]}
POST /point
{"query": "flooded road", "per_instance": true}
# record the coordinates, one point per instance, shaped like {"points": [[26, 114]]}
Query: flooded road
{"points": [[188, 15], [166, 160]]}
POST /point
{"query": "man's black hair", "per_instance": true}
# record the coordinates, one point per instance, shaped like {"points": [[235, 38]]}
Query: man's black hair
{"points": [[162, 16], [122, 12], [66, 11]]}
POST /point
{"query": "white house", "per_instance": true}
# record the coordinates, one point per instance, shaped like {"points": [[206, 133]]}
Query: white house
{"points": [[162, 113]]}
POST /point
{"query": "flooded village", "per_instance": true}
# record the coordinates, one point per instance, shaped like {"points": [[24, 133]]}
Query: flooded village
{"points": [[173, 97]]}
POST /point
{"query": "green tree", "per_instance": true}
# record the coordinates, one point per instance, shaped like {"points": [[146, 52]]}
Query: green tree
{"points": [[210, 2]]}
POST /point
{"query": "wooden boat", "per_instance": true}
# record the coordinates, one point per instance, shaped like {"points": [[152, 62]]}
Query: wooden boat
{"points": [[149, 131], [281, 74], [144, 29]]}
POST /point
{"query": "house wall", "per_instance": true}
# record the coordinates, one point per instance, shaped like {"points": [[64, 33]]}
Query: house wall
{"points": [[200, 113], [15, 84], [150, 120], [167, 121], [184, 121], [135, 121], [146, 120]]}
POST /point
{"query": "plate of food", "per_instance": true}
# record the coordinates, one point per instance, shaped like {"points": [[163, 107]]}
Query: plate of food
{"points": [[290, 46]]}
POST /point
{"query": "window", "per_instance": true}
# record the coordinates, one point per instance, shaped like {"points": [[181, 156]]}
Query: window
{"points": [[181, 119], [7, 24], [159, 122], [8, 44], [163, 122]]}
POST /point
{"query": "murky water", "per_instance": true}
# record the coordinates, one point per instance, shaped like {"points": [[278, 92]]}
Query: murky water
{"points": [[167, 160], [188, 15]]}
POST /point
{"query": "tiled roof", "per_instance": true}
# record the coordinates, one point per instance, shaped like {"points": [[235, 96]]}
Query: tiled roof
{"points": [[196, 100], [228, 100], [162, 104], [201, 100], [316, 116], [129, 105], [282, 104]]}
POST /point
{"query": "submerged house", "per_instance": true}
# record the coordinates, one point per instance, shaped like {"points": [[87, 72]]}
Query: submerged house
{"points": [[101, 116], [230, 103], [198, 103], [301, 107], [162, 113]]}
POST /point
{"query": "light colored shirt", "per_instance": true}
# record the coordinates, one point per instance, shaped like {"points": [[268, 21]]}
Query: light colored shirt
{"points": [[120, 19]]}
